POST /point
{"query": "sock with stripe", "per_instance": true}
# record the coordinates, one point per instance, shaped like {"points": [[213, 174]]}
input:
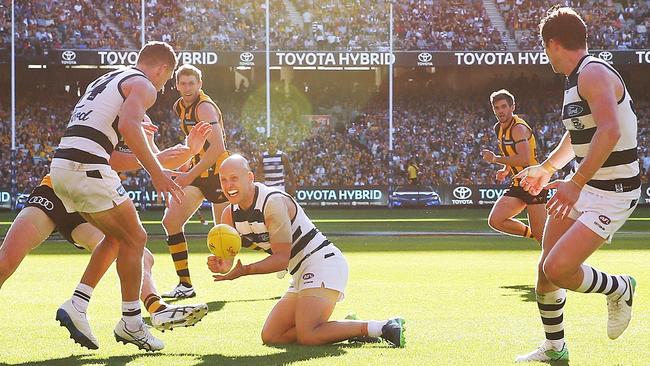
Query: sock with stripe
{"points": [[595, 281], [131, 314], [551, 309], [177, 245], [81, 297], [154, 304]]}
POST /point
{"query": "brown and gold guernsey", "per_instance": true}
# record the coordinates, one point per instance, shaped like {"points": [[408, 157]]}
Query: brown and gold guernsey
{"points": [[187, 115], [508, 146], [47, 181]]}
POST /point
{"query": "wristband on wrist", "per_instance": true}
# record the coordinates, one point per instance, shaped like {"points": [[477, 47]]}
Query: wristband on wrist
{"points": [[579, 179], [549, 167]]}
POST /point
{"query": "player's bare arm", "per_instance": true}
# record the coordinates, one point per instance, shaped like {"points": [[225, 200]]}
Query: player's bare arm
{"points": [[599, 87], [170, 158], [208, 113], [520, 134], [140, 95], [535, 177], [277, 220]]}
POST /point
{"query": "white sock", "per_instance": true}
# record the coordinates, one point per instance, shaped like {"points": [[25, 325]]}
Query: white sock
{"points": [[374, 327], [595, 281], [81, 297], [131, 314]]}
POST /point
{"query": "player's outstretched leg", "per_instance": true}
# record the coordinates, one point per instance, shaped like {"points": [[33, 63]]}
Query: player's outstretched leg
{"points": [[165, 316]]}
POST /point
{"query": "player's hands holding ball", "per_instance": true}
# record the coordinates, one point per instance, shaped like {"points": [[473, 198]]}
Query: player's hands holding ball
{"points": [[219, 265], [238, 271]]}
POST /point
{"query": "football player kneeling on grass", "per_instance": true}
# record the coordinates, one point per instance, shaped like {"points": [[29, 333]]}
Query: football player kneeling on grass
{"points": [[272, 221]]}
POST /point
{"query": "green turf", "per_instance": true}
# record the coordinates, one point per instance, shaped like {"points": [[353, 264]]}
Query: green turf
{"points": [[468, 300], [435, 220]]}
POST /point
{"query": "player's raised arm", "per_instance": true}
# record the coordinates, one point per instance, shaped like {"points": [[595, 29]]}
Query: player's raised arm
{"points": [[170, 158], [207, 112], [140, 95]]}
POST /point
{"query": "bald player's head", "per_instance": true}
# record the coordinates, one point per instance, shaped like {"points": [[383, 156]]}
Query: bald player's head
{"points": [[236, 162], [237, 180]]}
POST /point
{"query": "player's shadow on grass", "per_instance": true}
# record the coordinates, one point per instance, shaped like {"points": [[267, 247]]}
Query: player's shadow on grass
{"points": [[525, 292], [290, 355]]}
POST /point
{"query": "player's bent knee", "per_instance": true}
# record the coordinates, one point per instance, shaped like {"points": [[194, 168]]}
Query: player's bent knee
{"points": [[554, 272], [494, 222], [271, 338]]}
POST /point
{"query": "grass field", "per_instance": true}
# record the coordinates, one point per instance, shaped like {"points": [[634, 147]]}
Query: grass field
{"points": [[468, 300]]}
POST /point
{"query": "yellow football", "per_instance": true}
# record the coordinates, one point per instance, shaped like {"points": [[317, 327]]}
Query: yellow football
{"points": [[224, 241]]}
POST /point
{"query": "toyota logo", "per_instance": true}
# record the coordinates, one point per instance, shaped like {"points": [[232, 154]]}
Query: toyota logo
{"points": [[425, 57], [462, 192], [68, 55], [246, 57], [605, 56], [41, 201]]}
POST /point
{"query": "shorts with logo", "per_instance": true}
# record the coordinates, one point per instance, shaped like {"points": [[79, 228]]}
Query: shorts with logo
{"points": [[326, 268], [44, 198], [86, 188], [210, 186], [529, 199], [604, 214]]}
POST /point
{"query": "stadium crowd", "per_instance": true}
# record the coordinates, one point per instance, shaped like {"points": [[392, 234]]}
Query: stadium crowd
{"points": [[445, 26], [309, 25], [612, 24], [50, 24], [444, 138]]}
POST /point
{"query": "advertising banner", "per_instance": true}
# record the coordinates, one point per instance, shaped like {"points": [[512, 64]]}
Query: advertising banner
{"points": [[328, 58], [342, 196]]}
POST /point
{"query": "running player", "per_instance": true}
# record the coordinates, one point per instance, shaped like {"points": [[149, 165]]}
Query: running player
{"points": [[201, 181], [112, 109], [517, 147], [44, 213], [272, 221], [596, 200]]}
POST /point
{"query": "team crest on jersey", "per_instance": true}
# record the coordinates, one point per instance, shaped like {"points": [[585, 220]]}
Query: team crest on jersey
{"points": [[577, 124], [574, 110]]}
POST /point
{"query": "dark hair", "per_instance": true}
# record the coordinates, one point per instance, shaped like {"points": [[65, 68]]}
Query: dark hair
{"points": [[564, 25], [502, 95], [188, 70], [156, 53]]}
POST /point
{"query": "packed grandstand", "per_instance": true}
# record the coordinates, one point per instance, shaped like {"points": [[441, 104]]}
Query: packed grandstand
{"points": [[442, 130]]}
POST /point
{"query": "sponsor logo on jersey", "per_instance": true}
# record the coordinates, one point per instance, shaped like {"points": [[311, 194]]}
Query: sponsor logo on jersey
{"points": [[41, 201]]}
